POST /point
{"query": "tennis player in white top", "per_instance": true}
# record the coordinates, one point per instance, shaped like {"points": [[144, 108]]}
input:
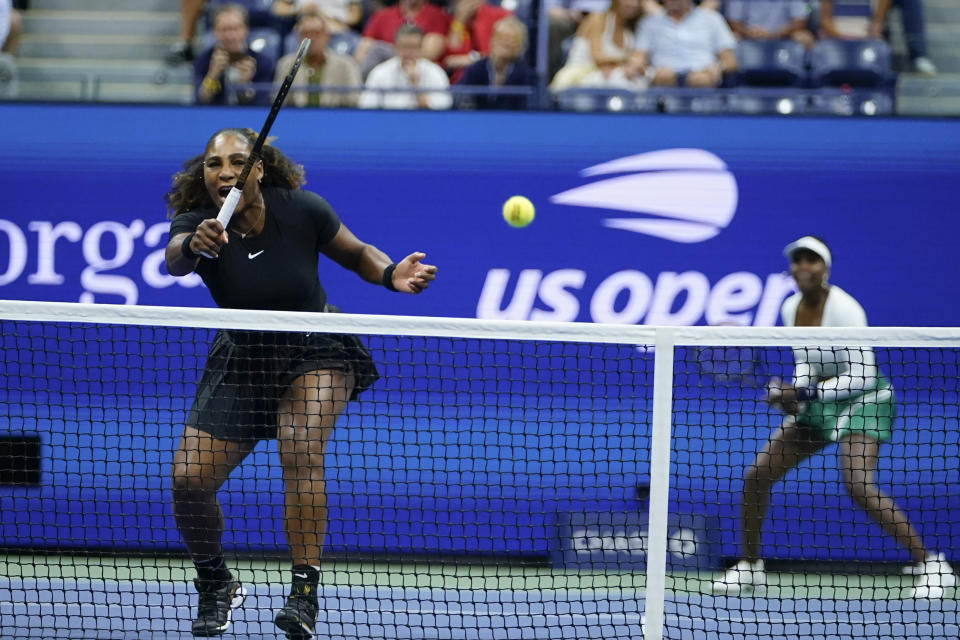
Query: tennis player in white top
{"points": [[837, 395]]}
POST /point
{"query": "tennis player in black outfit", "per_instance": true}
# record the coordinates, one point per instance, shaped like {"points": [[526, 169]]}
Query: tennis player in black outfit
{"points": [[258, 385]]}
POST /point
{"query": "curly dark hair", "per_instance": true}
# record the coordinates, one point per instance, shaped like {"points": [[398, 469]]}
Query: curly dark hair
{"points": [[188, 191]]}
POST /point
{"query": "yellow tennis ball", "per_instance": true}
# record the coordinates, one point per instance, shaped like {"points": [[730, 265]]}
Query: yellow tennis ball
{"points": [[518, 211]]}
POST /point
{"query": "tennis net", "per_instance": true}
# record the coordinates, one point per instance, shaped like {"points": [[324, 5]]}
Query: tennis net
{"points": [[498, 480]]}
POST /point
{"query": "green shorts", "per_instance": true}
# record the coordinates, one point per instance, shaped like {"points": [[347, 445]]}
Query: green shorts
{"points": [[870, 413]]}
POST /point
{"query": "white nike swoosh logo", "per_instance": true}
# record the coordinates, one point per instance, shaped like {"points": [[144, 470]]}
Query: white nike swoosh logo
{"points": [[300, 575], [251, 256]]}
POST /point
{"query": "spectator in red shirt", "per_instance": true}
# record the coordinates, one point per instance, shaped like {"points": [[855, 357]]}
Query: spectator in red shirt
{"points": [[380, 31], [469, 36]]}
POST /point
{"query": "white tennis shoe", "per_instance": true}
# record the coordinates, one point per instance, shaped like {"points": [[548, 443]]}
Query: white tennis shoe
{"points": [[924, 66], [935, 577], [743, 578], [916, 569]]}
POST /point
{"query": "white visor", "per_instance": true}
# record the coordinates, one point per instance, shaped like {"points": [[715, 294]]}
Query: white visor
{"points": [[810, 244]]}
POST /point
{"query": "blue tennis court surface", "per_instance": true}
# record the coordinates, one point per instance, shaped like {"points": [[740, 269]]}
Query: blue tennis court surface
{"points": [[107, 610]]}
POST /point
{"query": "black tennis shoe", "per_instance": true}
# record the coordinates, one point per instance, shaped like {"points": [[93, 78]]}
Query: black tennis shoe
{"points": [[298, 618], [178, 54], [215, 606]]}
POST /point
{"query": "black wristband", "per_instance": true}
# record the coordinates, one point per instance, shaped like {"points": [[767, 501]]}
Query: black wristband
{"points": [[387, 278], [186, 250]]}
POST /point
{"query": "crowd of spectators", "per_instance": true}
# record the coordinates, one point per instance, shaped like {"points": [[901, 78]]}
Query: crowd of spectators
{"points": [[403, 56], [627, 45], [677, 43], [363, 49]]}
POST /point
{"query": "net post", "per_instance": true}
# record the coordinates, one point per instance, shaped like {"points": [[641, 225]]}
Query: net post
{"points": [[659, 483]]}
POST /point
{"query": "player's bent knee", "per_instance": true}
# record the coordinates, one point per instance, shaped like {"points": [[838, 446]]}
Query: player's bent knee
{"points": [[185, 484], [181, 484], [758, 477], [302, 465]]}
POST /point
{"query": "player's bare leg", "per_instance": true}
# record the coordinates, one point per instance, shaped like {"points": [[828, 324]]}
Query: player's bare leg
{"points": [[788, 446], [858, 462], [306, 419], [201, 464]]}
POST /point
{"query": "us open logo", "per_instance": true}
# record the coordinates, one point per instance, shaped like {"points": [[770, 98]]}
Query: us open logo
{"points": [[682, 195]]}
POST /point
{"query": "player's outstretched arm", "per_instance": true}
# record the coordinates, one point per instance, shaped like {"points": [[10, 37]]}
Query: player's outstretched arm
{"points": [[409, 275]]}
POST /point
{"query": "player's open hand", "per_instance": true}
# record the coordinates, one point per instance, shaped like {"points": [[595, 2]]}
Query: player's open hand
{"points": [[411, 275], [774, 392]]}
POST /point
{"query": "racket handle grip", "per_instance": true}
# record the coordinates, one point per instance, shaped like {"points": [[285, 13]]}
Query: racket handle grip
{"points": [[226, 213], [228, 207]]}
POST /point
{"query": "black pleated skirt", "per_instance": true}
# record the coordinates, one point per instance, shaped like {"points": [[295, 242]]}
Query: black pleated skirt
{"points": [[248, 372]]}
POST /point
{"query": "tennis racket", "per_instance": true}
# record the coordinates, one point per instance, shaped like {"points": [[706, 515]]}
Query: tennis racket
{"points": [[763, 369], [233, 198], [733, 366]]}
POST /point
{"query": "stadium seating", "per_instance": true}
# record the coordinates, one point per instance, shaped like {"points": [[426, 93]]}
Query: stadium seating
{"points": [[266, 42], [747, 100], [837, 102], [771, 63], [343, 43], [263, 40], [693, 101], [849, 77], [605, 100], [858, 63]]}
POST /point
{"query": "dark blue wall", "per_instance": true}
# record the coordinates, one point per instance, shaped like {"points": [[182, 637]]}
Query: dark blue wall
{"points": [[711, 203], [882, 192]]}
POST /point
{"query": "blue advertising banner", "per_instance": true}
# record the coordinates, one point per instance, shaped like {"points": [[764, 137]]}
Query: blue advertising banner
{"points": [[639, 219], [659, 220], [616, 540]]}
